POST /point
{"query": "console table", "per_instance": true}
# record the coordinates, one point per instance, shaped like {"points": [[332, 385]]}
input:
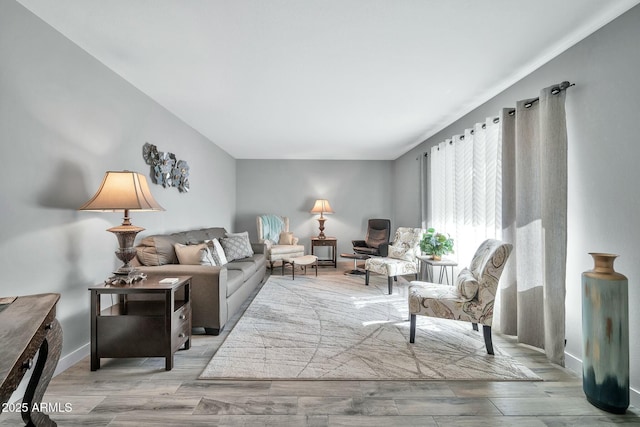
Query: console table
{"points": [[331, 242], [27, 325], [151, 319]]}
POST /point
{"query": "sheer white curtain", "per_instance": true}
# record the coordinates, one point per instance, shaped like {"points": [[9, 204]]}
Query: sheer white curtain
{"points": [[466, 188], [507, 179]]}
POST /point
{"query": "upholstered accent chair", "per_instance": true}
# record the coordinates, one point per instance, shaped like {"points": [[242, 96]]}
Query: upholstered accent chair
{"points": [[376, 241], [280, 243], [401, 258], [471, 299]]}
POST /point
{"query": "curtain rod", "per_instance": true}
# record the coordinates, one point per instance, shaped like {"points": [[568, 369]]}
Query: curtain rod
{"points": [[554, 91]]}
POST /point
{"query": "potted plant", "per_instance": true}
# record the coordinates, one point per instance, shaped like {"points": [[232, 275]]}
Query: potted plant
{"points": [[436, 244]]}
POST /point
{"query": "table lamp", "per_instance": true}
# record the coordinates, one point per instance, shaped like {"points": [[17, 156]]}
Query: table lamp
{"points": [[321, 206], [123, 191]]}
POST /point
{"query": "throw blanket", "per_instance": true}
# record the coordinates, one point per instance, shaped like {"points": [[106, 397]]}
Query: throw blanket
{"points": [[272, 226]]}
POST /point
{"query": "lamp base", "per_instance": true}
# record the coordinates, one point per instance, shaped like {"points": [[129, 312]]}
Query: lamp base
{"points": [[321, 221], [126, 235]]}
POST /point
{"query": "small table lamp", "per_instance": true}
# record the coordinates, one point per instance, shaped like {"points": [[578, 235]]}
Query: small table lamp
{"points": [[123, 191], [321, 206]]}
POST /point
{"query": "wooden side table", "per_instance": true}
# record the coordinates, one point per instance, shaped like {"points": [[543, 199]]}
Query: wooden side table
{"points": [[137, 327], [332, 242]]}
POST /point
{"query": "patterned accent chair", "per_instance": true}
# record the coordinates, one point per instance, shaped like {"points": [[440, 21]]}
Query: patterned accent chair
{"points": [[285, 245], [401, 257], [471, 300]]}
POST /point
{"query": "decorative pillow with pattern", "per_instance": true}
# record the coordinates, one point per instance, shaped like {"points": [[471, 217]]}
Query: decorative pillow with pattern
{"points": [[467, 285], [236, 246], [217, 253], [400, 252], [193, 254]]}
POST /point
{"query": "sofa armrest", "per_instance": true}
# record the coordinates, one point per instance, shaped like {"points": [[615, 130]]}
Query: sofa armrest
{"points": [[258, 248], [208, 291]]}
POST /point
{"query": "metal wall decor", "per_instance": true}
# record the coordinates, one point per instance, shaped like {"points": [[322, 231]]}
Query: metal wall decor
{"points": [[166, 170]]}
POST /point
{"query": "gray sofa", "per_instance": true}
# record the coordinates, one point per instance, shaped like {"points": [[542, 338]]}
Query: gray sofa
{"points": [[216, 292]]}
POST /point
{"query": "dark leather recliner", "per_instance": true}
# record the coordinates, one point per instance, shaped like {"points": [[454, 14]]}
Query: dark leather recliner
{"points": [[376, 241]]}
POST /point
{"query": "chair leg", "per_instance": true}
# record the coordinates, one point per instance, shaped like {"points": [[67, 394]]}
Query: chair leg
{"points": [[390, 280], [366, 278], [475, 326], [487, 338], [412, 329]]}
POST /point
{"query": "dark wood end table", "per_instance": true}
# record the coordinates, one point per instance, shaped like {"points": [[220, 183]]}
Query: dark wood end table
{"points": [[151, 319], [331, 242]]}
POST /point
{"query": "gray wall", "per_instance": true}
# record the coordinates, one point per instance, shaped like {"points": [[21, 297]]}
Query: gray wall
{"points": [[64, 120], [356, 190], [603, 112]]}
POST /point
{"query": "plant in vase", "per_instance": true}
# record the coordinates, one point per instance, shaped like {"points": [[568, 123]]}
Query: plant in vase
{"points": [[436, 244]]}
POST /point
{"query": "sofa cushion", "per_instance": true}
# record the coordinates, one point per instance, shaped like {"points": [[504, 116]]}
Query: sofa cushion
{"points": [[467, 285], [157, 250], [247, 266], [194, 254], [235, 280], [236, 246]]}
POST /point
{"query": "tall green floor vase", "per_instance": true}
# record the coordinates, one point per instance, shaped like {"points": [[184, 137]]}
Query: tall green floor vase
{"points": [[605, 331]]}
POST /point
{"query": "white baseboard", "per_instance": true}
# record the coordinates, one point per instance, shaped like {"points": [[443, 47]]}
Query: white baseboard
{"points": [[575, 365], [72, 358]]}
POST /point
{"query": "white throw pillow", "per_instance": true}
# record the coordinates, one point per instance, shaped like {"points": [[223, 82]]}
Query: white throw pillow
{"points": [[217, 253]]}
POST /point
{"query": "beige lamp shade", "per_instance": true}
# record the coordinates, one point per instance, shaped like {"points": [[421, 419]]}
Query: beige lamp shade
{"points": [[123, 191], [322, 206]]}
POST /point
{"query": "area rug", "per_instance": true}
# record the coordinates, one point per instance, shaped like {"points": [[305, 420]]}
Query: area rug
{"points": [[334, 327]]}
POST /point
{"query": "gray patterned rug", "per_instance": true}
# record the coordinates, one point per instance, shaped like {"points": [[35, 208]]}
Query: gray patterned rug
{"points": [[333, 327]]}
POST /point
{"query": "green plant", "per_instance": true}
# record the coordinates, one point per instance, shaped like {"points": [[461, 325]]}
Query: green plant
{"points": [[437, 244]]}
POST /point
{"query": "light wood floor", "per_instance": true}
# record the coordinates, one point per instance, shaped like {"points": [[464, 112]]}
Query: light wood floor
{"points": [[139, 392]]}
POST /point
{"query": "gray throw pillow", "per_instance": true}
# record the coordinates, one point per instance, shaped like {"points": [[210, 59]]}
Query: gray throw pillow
{"points": [[236, 246]]}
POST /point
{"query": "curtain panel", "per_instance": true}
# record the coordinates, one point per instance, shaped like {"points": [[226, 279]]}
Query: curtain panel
{"points": [[507, 179], [466, 188]]}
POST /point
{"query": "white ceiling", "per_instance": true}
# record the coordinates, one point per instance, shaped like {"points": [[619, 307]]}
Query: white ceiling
{"points": [[330, 79]]}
